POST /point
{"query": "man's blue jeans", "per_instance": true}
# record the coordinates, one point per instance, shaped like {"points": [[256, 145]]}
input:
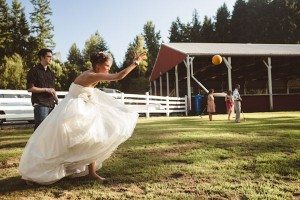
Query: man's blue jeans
{"points": [[40, 113]]}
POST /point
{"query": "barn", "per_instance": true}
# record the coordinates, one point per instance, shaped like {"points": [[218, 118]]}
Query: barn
{"points": [[269, 74]]}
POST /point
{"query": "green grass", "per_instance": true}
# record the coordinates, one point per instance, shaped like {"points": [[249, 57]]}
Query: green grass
{"points": [[180, 158]]}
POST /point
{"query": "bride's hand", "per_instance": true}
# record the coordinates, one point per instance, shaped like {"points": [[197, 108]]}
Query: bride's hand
{"points": [[141, 57]]}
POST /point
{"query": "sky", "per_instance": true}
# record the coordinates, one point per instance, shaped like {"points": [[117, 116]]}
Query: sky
{"points": [[119, 21]]}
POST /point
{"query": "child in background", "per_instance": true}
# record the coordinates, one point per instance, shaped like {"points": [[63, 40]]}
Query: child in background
{"points": [[229, 103], [211, 107]]}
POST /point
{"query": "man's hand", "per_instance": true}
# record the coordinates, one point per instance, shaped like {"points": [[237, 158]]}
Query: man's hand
{"points": [[51, 91], [55, 98]]}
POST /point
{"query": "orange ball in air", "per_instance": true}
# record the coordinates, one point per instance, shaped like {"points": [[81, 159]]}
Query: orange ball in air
{"points": [[216, 59]]}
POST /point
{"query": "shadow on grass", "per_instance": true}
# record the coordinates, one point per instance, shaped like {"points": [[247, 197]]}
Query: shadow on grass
{"points": [[13, 145], [15, 184], [133, 167], [157, 151]]}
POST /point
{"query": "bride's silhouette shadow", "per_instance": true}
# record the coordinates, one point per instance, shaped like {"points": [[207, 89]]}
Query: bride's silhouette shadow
{"points": [[15, 184]]}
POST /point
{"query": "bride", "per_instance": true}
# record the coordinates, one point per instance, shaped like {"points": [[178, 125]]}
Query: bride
{"points": [[82, 131]]}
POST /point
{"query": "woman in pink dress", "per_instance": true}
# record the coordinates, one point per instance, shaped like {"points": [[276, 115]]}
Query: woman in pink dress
{"points": [[211, 107], [229, 103]]}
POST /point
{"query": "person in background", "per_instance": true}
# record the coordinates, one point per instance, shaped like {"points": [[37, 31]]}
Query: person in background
{"points": [[211, 107], [237, 103], [41, 83], [229, 103]]}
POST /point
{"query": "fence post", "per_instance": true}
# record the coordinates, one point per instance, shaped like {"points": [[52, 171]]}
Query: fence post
{"points": [[147, 103], [122, 98], [168, 107], [186, 105]]}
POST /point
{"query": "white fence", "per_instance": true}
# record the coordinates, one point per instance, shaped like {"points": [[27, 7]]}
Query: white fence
{"points": [[16, 104]]}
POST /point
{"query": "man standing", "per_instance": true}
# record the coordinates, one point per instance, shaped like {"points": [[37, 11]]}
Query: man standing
{"points": [[41, 82], [237, 103]]}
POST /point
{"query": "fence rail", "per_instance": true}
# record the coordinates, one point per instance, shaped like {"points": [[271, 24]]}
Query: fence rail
{"points": [[16, 104]]}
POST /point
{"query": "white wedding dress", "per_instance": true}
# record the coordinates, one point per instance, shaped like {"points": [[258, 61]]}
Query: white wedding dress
{"points": [[86, 126]]}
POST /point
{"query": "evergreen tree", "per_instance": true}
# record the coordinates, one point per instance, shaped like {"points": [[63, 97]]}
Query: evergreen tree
{"points": [[238, 25], [5, 32], [282, 22], [94, 44], [136, 48], [195, 28], [180, 32], [69, 73], [296, 15], [72, 68], [56, 67], [32, 51], [207, 30], [12, 73], [185, 32], [152, 39], [20, 30], [135, 82], [175, 32], [41, 24], [222, 24], [257, 20], [75, 57], [114, 68]]}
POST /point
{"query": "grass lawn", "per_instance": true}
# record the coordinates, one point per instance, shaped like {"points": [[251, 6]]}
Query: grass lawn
{"points": [[180, 158]]}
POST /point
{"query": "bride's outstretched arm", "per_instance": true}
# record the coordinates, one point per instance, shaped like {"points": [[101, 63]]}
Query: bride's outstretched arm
{"points": [[120, 75], [114, 77]]}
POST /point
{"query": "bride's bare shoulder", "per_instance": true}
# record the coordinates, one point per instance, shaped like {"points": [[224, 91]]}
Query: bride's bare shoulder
{"points": [[84, 74], [82, 77], [87, 72]]}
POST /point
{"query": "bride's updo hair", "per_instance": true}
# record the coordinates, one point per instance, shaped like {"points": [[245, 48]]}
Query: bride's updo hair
{"points": [[100, 57]]}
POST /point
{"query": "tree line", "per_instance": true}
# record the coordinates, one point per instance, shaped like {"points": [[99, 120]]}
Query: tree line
{"points": [[252, 21]]}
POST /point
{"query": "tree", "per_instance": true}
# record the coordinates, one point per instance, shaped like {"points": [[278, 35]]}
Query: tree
{"points": [[296, 15], [207, 30], [71, 69], [185, 32], [282, 26], [152, 39], [257, 20], [32, 57], [195, 28], [222, 24], [114, 68], [69, 73], [41, 24], [136, 48], [56, 67], [175, 34], [5, 32], [180, 32], [94, 44], [20, 30], [12, 73], [238, 25], [135, 82], [75, 57]]}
